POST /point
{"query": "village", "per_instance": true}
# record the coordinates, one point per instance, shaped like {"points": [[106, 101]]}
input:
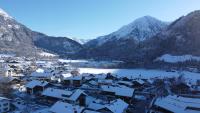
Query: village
{"points": [[51, 85]]}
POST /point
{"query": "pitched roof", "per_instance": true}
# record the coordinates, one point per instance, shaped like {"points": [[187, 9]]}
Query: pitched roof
{"points": [[3, 98], [35, 83], [119, 90], [62, 107], [178, 104], [90, 111], [116, 106], [74, 78], [57, 93], [76, 94]]}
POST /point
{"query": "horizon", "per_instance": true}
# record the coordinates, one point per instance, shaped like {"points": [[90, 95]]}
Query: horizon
{"points": [[91, 19]]}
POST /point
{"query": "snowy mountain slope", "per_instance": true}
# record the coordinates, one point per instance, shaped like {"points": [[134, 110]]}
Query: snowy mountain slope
{"points": [[141, 29], [81, 41], [4, 14], [182, 37], [126, 42], [18, 39], [148, 41]]}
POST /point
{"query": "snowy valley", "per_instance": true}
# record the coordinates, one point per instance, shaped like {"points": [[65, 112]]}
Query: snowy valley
{"points": [[147, 66]]}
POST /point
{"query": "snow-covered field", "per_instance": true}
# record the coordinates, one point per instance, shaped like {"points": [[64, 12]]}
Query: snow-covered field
{"points": [[46, 54], [142, 73], [6, 55], [91, 63], [72, 61], [175, 59]]}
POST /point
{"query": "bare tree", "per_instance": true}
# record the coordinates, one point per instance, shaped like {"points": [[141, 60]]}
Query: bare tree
{"points": [[6, 88]]}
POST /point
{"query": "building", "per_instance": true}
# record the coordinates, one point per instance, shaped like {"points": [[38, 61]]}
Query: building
{"points": [[77, 97], [52, 95], [120, 91], [115, 106], [41, 74], [176, 104], [63, 107], [4, 105], [75, 81], [36, 86]]}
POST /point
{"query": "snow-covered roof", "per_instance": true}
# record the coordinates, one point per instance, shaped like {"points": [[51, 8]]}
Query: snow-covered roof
{"points": [[93, 82], [66, 75], [90, 111], [125, 82], [39, 70], [96, 106], [76, 94], [140, 81], [105, 81], [40, 62], [34, 83], [116, 106], [3, 98], [1, 61], [43, 110], [41, 73], [57, 93], [74, 78], [178, 104], [62, 107], [119, 90]]}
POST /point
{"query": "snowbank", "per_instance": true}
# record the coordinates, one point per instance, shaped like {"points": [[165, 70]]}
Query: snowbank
{"points": [[142, 73], [175, 59], [45, 54]]}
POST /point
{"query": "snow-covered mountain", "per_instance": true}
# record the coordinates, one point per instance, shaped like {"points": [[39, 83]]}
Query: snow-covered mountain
{"points": [[146, 39], [125, 42], [81, 41], [4, 14], [141, 29], [18, 39], [181, 38]]}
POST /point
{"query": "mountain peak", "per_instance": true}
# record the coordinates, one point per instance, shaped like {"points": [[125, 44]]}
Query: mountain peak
{"points": [[4, 14], [139, 28], [147, 17], [81, 41]]}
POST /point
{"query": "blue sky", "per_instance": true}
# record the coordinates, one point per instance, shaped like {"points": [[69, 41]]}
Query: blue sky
{"points": [[91, 18]]}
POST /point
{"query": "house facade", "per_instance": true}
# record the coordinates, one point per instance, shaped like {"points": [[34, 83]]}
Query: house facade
{"points": [[4, 105]]}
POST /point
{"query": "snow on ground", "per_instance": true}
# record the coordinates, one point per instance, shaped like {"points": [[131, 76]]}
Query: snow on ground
{"points": [[91, 63], [6, 55], [142, 73], [47, 54], [3, 13], [71, 61], [174, 59]]}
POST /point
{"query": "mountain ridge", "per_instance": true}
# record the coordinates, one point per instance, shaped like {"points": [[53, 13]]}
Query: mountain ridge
{"points": [[139, 29], [16, 35], [126, 45]]}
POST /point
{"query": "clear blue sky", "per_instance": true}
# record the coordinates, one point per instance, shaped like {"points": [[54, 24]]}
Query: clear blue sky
{"points": [[91, 18]]}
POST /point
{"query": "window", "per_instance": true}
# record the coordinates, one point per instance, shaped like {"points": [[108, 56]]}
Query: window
{"points": [[6, 104], [5, 109]]}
